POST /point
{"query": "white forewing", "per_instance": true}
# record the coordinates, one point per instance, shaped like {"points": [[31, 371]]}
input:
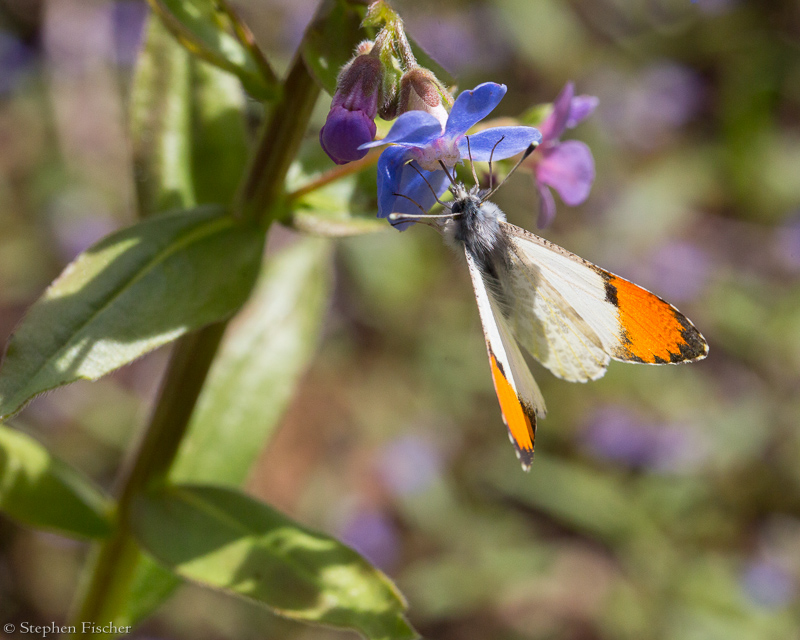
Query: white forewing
{"points": [[501, 343], [559, 310]]}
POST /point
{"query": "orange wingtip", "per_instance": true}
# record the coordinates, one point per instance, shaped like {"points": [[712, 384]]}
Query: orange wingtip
{"points": [[655, 332], [521, 421]]}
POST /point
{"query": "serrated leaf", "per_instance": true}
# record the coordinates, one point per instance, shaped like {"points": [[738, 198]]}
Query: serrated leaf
{"points": [[134, 291], [208, 32], [160, 124], [254, 376], [219, 136], [226, 540], [42, 491]]}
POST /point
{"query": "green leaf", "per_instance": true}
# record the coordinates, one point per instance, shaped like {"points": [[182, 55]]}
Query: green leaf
{"points": [[219, 137], [160, 124], [226, 540], [328, 212], [220, 38], [536, 115], [332, 224], [42, 491], [134, 291], [254, 376], [330, 41], [249, 386]]}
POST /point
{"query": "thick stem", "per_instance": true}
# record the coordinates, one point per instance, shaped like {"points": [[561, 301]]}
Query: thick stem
{"points": [[279, 144], [116, 560]]}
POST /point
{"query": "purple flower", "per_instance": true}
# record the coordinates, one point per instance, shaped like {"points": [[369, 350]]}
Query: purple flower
{"points": [[418, 137], [768, 585], [372, 533], [567, 167], [410, 464], [351, 120], [16, 58]]}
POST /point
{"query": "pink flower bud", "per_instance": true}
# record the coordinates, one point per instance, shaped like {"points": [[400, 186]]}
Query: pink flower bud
{"points": [[421, 91]]}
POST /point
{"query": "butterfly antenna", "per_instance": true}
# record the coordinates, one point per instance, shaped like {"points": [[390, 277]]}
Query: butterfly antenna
{"points": [[491, 155], [430, 186], [531, 148], [419, 206], [396, 218], [472, 164], [447, 171]]}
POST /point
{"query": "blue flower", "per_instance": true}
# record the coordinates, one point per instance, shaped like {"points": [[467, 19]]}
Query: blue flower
{"points": [[418, 138]]}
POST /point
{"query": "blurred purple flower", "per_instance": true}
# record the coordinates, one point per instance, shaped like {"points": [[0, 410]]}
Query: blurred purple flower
{"points": [[409, 464], [16, 58], [644, 112], [351, 121], [787, 243], [567, 167], [418, 137], [461, 39], [617, 434], [768, 585], [128, 17], [679, 271], [80, 218], [373, 535]]}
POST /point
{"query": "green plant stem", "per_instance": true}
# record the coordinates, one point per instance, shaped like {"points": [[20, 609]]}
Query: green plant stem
{"points": [[116, 559], [262, 192]]}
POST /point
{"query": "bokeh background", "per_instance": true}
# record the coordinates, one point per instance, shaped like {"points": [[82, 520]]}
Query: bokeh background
{"points": [[664, 502]]}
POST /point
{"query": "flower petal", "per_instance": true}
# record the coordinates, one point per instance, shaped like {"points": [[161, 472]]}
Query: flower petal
{"points": [[547, 206], [568, 168], [473, 106], [343, 134], [506, 142], [581, 108], [414, 187], [412, 129], [395, 176], [554, 124], [390, 167]]}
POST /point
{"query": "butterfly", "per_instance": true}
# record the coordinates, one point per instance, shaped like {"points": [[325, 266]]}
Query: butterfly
{"points": [[569, 314]]}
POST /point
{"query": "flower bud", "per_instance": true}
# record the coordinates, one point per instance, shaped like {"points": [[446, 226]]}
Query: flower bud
{"points": [[420, 90], [350, 121]]}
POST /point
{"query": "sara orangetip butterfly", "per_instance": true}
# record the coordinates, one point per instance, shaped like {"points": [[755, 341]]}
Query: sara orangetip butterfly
{"points": [[569, 314]]}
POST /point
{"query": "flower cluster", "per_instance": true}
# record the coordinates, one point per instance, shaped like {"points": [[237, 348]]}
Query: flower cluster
{"points": [[411, 166], [429, 136], [378, 82]]}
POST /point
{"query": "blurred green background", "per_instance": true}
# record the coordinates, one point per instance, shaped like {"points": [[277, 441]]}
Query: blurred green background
{"points": [[664, 502]]}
